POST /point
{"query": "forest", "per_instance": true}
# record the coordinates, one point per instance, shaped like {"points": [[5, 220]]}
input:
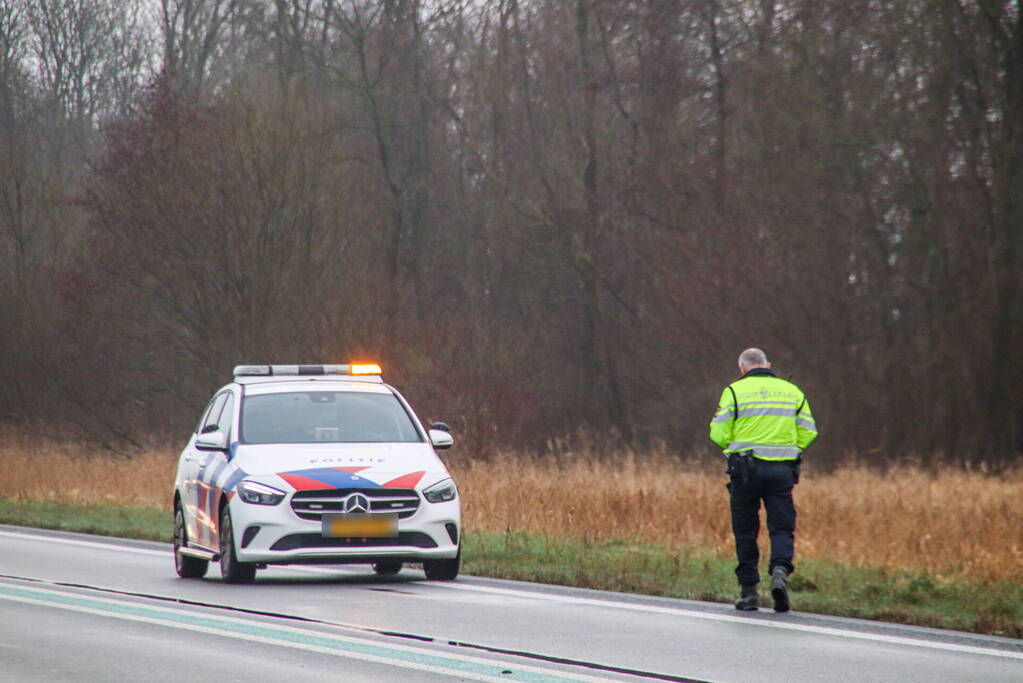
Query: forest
{"points": [[548, 220]]}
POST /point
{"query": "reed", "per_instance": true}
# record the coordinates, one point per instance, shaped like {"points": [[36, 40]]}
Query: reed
{"points": [[948, 522], [71, 473]]}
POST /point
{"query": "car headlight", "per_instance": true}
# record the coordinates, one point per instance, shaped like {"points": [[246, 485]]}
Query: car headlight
{"points": [[441, 492], [259, 494]]}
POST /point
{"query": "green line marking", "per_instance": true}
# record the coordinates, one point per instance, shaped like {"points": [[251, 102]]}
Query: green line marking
{"points": [[287, 636]]}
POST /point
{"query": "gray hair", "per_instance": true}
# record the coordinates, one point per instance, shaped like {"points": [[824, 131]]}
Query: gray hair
{"points": [[752, 358]]}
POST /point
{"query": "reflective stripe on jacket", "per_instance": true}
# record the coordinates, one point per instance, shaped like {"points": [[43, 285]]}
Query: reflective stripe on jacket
{"points": [[765, 414]]}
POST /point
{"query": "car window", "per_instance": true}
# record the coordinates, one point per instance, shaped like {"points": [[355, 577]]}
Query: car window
{"points": [[213, 415], [326, 416], [226, 415], [206, 413]]}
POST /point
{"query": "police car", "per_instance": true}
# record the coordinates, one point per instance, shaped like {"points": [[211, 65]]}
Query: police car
{"points": [[299, 464]]}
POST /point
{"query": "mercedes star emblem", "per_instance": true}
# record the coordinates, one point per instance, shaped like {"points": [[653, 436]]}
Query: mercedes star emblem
{"points": [[356, 502]]}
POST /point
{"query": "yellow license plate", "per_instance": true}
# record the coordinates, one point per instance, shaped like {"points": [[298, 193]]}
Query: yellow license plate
{"points": [[361, 526]]}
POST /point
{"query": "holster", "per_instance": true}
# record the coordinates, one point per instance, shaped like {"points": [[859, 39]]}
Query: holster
{"points": [[741, 466]]}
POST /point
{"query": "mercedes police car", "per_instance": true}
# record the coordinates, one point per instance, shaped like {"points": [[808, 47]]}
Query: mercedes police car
{"points": [[298, 464]]}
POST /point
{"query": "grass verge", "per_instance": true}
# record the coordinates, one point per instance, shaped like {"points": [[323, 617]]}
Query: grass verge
{"points": [[149, 524], [992, 607]]}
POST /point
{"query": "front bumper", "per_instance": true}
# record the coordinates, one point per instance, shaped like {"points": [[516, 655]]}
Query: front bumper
{"points": [[276, 535]]}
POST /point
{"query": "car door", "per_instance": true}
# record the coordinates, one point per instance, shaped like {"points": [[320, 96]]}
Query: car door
{"points": [[211, 471], [194, 468]]}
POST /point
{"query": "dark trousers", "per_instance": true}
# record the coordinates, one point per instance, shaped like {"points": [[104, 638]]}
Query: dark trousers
{"points": [[771, 482]]}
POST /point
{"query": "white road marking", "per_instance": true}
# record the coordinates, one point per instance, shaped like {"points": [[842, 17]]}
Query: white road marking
{"points": [[596, 602], [728, 618], [145, 551], [83, 544]]}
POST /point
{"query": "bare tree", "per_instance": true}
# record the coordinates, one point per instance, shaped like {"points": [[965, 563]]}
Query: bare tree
{"points": [[1005, 405], [196, 43], [89, 55], [543, 215]]}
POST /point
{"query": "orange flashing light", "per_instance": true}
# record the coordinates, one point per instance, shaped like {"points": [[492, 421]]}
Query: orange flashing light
{"points": [[365, 369]]}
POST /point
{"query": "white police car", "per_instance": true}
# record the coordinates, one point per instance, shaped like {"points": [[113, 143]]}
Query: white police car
{"points": [[299, 464]]}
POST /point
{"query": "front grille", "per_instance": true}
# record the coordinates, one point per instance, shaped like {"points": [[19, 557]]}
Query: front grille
{"points": [[311, 505], [416, 539]]}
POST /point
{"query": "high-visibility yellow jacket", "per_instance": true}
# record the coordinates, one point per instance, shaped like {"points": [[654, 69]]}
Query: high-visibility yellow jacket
{"points": [[764, 414]]}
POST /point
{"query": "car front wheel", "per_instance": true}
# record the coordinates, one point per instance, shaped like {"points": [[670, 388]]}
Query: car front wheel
{"points": [[186, 567], [443, 570], [231, 569]]}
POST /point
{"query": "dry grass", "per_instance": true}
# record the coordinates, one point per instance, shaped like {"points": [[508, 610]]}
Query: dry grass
{"points": [[948, 523], [69, 473]]}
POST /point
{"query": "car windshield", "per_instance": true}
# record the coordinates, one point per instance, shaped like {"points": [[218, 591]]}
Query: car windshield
{"points": [[325, 416]]}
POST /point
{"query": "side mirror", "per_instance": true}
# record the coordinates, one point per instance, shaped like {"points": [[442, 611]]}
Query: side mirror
{"points": [[441, 439], [211, 441], [442, 426]]}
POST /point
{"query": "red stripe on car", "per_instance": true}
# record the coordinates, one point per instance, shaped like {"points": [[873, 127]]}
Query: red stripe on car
{"points": [[300, 483], [405, 481]]}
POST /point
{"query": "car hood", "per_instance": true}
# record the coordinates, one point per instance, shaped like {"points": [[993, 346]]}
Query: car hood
{"points": [[337, 466]]}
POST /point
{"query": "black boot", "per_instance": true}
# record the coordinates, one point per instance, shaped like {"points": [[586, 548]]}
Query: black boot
{"points": [[778, 590], [747, 601]]}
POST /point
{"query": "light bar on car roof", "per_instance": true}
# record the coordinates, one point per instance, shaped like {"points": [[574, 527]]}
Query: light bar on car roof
{"points": [[306, 370], [364, 369]]}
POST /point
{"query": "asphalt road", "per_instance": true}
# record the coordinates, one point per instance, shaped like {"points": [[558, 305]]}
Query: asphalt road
{"points": [[86, 608]]}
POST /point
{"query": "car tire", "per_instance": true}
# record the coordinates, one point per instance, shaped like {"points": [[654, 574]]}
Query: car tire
{"points": [[231, 570], [443, 570], [387, 568], [186, 567]]}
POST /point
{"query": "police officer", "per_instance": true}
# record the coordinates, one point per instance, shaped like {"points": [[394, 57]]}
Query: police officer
{"points": [[763, 423]]}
